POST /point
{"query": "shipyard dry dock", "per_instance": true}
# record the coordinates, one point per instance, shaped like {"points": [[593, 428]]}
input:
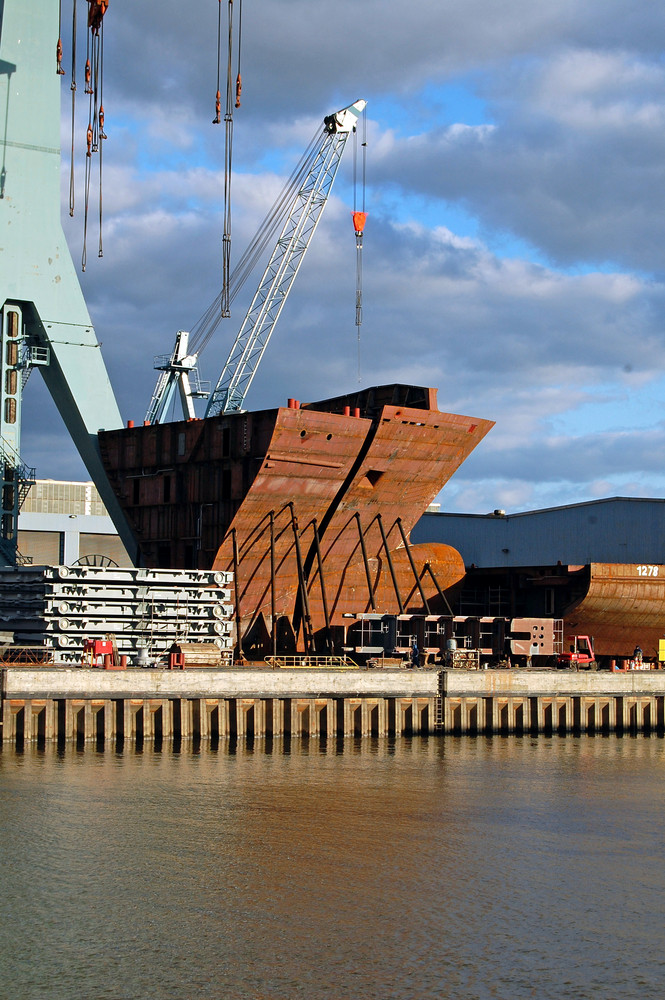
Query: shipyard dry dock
{"points": [[94, 705]]}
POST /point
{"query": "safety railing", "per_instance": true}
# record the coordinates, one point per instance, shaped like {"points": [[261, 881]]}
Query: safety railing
{"points": [[311, 662]]}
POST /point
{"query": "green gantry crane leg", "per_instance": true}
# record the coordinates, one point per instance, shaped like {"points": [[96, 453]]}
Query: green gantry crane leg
{"points": [[45, 320]]}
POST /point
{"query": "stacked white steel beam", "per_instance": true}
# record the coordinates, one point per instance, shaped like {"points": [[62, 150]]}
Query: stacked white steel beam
{"points": [[147, 610]]}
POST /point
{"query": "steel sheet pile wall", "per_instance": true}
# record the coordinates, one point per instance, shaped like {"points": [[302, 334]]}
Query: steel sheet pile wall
{"points": [[59, 607]]}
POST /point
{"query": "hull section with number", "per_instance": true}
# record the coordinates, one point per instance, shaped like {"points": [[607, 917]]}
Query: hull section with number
{"points": [[623, 606]]}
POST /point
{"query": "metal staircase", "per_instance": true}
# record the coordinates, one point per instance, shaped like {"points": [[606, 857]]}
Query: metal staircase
{"points": [[16, 479]]}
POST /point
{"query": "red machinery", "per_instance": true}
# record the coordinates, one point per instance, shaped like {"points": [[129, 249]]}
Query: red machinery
{"points": [[579, 653], [93, 649]]}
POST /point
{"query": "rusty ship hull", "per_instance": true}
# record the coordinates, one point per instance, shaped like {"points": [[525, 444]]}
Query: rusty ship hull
{"points": [[309, 506]]}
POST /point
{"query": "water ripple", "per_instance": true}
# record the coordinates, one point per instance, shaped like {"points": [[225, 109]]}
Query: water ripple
{"points": [[376, 869]]}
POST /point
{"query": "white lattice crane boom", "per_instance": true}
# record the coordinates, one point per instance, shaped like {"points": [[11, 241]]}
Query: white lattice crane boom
{"points": [[274, 287], [300, 204]]}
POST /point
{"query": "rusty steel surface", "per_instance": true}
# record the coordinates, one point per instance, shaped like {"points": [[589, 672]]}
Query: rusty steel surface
{"points": [[18, 656], [535, 636], [623, 607], [341, 473], [189, 487]]}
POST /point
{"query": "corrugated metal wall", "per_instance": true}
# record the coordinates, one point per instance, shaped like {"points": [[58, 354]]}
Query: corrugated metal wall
{"points": [[41, 548], [616, 530], [105, 545]]}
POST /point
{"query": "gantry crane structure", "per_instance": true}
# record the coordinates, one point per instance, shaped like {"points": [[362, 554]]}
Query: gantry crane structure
{"points": [[302, 214], [44, 319]]}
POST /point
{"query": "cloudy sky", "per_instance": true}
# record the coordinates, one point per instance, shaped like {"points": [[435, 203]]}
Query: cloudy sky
{"points": [[514, 247]]}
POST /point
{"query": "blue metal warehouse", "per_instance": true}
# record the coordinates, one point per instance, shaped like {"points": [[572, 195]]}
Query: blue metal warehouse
{"points": [[615, 530]]}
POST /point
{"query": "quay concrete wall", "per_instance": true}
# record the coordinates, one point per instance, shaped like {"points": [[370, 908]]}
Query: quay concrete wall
{"points": [[561, 701], [47, 704], [242, 682], [549, 683]]}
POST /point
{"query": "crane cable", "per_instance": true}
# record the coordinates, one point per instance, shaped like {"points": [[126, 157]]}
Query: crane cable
{"points": [[73, 90], [228, 161], [238, 77], [232, 99], [87, 89], [94, 65], [101, 134], [206, 326], [359, 219]]}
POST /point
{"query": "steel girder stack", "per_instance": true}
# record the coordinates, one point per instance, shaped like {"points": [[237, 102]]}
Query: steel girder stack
{"points": [[147, 611]]}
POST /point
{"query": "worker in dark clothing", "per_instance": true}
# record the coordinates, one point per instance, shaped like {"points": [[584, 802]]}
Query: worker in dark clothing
{"points": [[415, 655]]}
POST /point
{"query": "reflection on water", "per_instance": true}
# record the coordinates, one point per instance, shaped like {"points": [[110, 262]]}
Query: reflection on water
{"points": [[407, 868]]}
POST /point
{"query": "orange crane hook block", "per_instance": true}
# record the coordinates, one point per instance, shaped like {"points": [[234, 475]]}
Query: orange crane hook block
{"points": [[96, 12], [359, 219], [58, 58]]}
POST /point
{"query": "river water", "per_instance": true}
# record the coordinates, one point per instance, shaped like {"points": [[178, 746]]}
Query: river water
{"points": [[373, 869]]}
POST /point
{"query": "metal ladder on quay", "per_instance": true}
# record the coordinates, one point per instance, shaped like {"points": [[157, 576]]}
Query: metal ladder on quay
{"points": [[438, 703]]}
